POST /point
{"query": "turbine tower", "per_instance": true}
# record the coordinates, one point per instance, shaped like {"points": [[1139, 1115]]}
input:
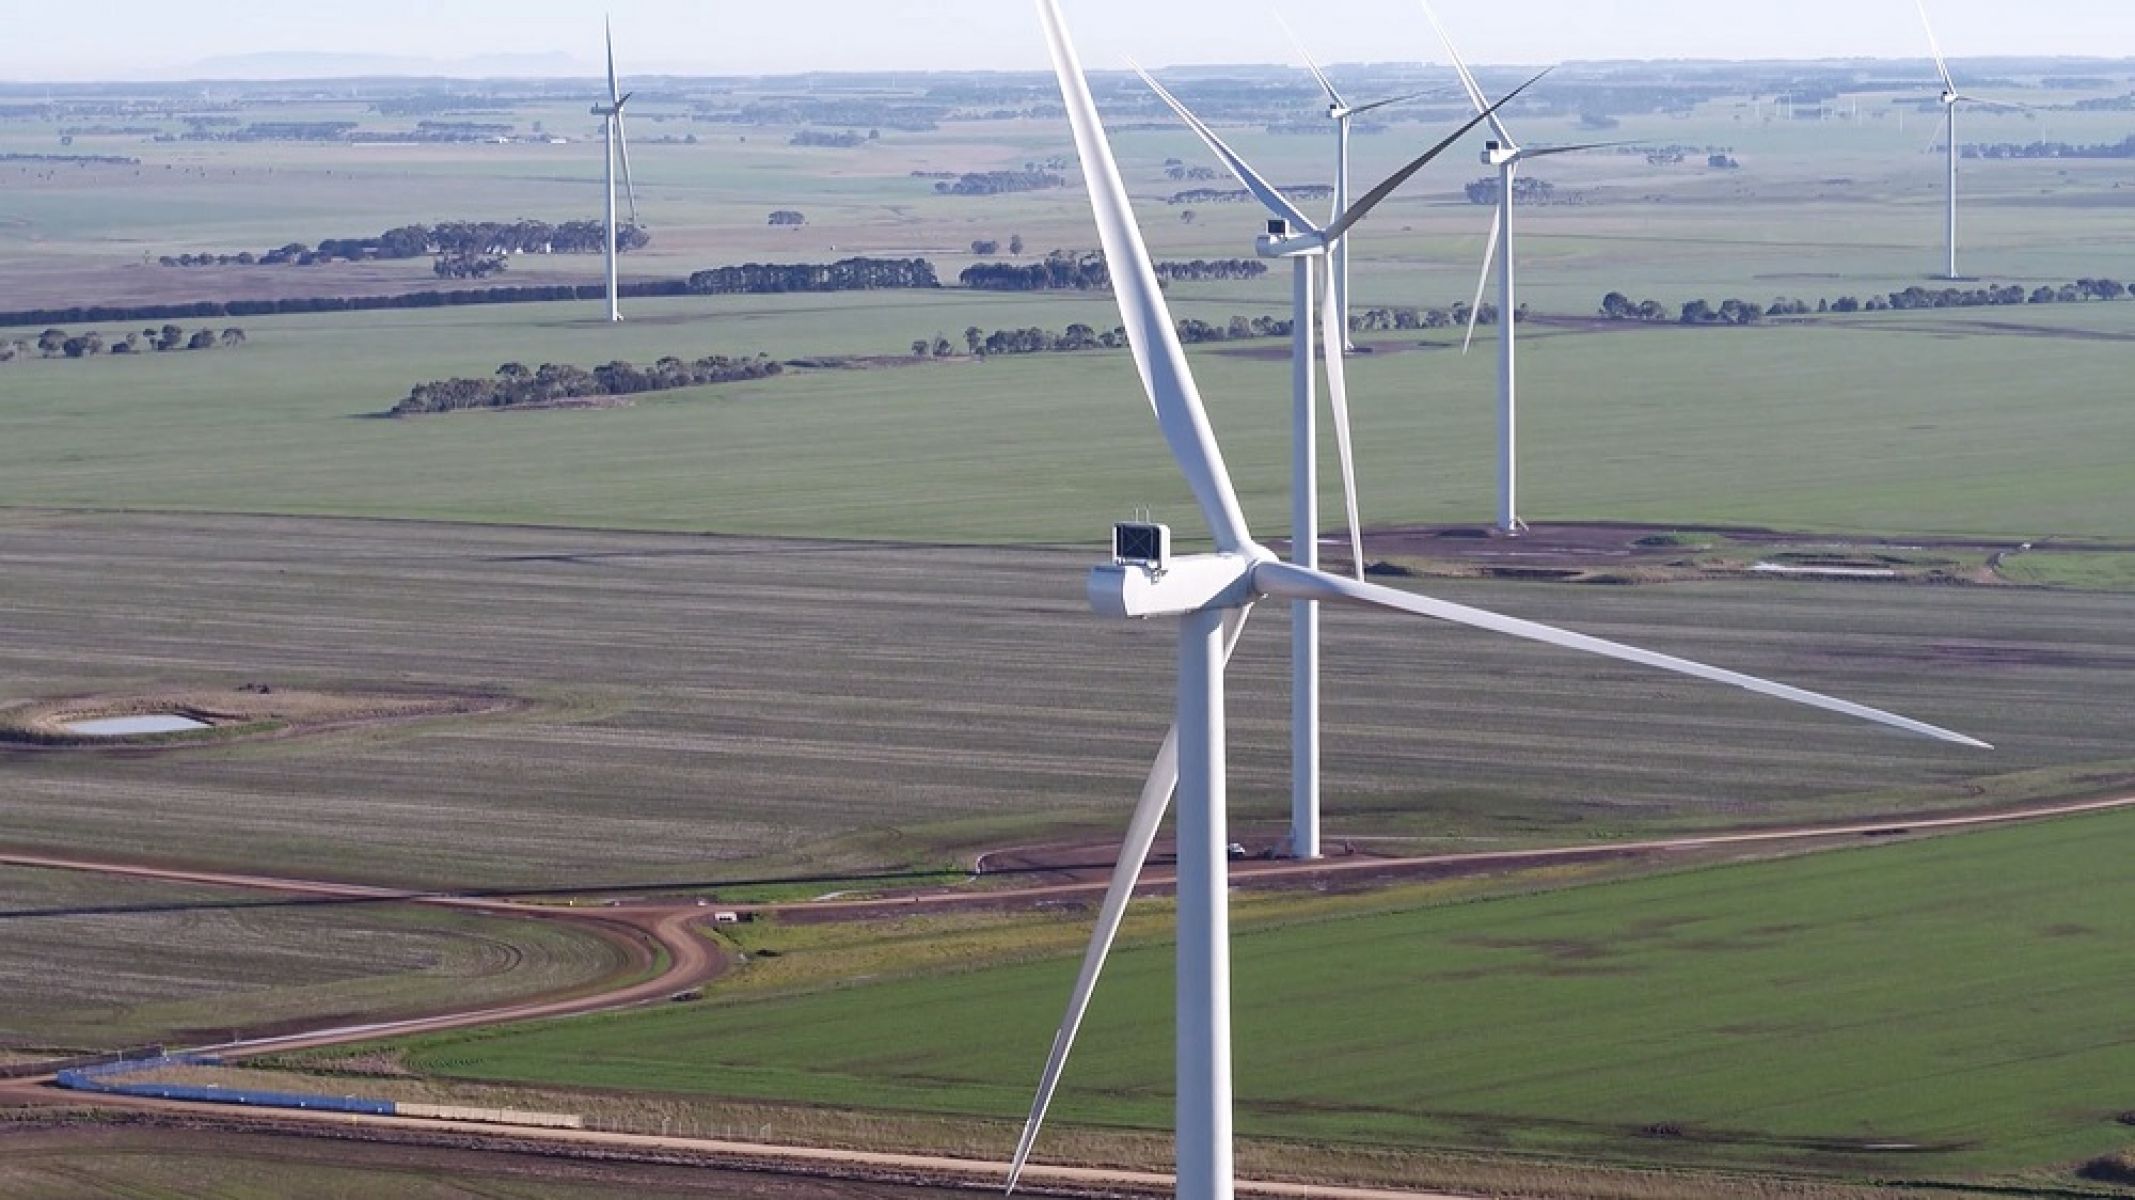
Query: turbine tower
{"points": [[1312, 250], [617, 143], [1341, 112], [1210, 595], [1505, 155]]}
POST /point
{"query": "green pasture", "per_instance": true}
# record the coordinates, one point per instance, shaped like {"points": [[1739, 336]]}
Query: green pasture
{"points": [[1959, 1002], [1905, 423]]}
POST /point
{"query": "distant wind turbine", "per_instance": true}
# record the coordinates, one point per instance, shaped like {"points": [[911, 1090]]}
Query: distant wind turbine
{"points": [[1341, 112], [1210, 595], [1951, 98], [1312, 248], [617, 142], [1506, 155]]}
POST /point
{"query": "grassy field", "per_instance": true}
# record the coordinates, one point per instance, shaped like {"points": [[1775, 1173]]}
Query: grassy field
{"points": [[1910, 424], [94, 963], [706, 710], [1899, 424], [1961, 996]]}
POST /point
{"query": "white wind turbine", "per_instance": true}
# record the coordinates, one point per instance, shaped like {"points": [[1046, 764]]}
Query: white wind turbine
{"points": [[617, 142], [1210, 595], [1506, 155], [1341, 112], [1951, 98], [1313, 251]]}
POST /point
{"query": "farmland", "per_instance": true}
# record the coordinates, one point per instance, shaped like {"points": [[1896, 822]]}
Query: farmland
{"points": [[1959, 995], [62, 1164], [723, 710], [94, 963]]}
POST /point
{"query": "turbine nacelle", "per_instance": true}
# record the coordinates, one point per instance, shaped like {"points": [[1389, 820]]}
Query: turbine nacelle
{"points": [[1280, 241], [1138, 590], [1950, 99], [1498, 154]]}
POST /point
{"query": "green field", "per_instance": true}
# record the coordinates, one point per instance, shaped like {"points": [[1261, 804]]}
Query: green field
{"points": [[89, 962], [1961, 995], [1898, 424], [1905, 424]]}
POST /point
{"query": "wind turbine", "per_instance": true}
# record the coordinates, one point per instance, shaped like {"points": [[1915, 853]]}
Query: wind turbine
{"points": [[1313, 250], [1210, 595], [1951, 98], [1506, 155], [611, 114], [1341, 112]]}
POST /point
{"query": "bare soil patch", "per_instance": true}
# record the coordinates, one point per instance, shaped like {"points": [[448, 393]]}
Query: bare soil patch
{"points": [[252, 710]]}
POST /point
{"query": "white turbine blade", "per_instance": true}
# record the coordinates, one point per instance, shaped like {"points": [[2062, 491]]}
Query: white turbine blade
{"points": [[622, 144], [1126, 874], [2006, 105], [1935, 46], [1335, 333], [1546, 151], [1377, 195], [1147, 319], [1482, 282], [613, 97], [1333, 97], [1267, 193], [1299, 583], [1390, 101], [1467, 77]]}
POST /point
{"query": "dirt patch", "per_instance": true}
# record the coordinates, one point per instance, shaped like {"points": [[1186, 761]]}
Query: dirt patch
{"points": [[253, 710]]}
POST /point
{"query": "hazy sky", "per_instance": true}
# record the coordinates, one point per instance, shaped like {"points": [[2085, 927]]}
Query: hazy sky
{"points": [[129, 39]]}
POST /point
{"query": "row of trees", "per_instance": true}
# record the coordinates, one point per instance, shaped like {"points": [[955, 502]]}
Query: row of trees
{"points": [[2124, 148], [462, 239], [528, 294], [1618, 307], [849, 275], [1063, 270], [1000, 183], [514, 385], [469, 266], [58, 343], [1295, 191], [843, 139]]}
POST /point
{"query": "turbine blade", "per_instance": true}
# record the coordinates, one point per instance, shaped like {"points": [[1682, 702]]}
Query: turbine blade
{"points": [[1467, 77], [1333, 96], [622, 143], [1390, 101], [1335, 334], [1289, 582], [613, 98], [1373, 198], [1482, 282], [1935, 46], [1133, 856], [1267, 193], [1546, 151], [2007, 105], [1158, 356]]}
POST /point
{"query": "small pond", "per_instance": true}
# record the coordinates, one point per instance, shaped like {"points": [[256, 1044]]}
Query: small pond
{"points": [[135, 726]]}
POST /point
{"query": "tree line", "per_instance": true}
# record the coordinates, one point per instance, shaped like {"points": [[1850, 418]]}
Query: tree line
{"points": [[849, 275], [2124, 148], [1295, 191], [1000, 183], [516, 386], [1618, 307], [980, 343], [1064, 270], [58, 343], [464, 239], [528, 294]]}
